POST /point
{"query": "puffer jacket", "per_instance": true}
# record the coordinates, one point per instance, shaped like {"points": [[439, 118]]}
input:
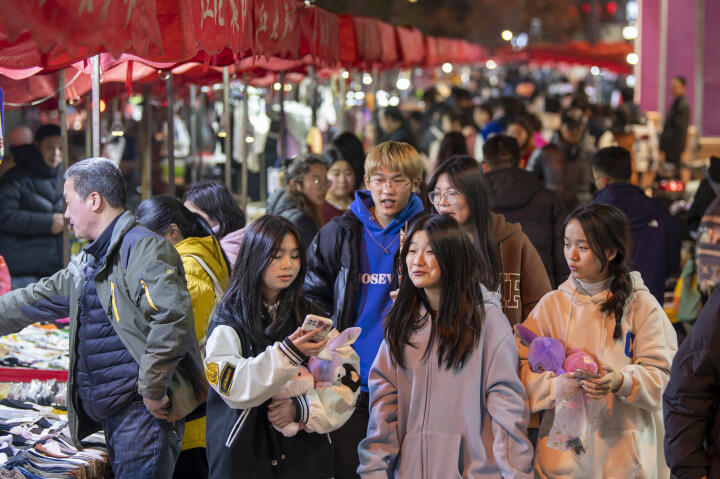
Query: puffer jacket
{"points": [[627, 431], [142, 288], [331, 282], [280, 203], [691, 403], [202, 297], [566, 169], [520, 197], [29, 195]]}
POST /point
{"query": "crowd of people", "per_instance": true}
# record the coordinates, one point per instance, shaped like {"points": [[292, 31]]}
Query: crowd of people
{"points": [[190, 345]]}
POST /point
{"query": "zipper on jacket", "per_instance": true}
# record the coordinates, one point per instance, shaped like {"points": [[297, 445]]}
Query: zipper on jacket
{"points": [[147, 295], [112, 300], [235, 431]]}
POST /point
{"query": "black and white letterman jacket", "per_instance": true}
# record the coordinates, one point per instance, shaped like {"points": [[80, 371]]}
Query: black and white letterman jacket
{"points": [[243, 378]]}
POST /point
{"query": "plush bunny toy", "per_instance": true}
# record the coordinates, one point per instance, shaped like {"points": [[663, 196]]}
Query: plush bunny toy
{"points": [[319, 373]]}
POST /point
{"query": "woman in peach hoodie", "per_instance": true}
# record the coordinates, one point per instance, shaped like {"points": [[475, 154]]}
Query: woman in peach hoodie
{"points": [[607, 311]]}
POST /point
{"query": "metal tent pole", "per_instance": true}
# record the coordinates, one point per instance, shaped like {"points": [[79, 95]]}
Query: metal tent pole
{"points": [[95, 77], [146, 182], [193, 135], [65, 157], [283, 146], [226, 122], [170, 133], [244, 145]]}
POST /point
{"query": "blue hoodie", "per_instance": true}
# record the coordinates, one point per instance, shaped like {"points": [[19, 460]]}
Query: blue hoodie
{"points": [[655, 234], [375, 268]]}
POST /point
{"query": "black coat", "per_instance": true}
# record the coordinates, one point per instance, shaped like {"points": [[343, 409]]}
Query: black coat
{"points": [[691, 403], [566, 170], [674, 134], [520, 197], [331, 282], [29, 195], [280, 203], [243, 443]]}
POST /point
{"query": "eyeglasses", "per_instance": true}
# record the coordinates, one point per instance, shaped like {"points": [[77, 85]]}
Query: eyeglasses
{"points": [[316, 180], [398, 184], [451, 197]]}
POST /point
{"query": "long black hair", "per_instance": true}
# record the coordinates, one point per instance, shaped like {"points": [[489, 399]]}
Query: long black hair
{"points": [[457, 323], [216, 201], [159, 212], [465, 176], [243, 299], [351, 148], [607, 228]]}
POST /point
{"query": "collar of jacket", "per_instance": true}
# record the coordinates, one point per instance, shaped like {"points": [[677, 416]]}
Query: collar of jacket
{"points": [[123, 224]]}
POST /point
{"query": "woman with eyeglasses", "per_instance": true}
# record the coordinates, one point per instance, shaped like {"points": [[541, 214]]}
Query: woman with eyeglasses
{"points": [[306, 183], [510, 262]]}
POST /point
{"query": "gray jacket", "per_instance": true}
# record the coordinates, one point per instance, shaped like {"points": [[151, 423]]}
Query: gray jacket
{"points": [[142, 288], [430, 422]]}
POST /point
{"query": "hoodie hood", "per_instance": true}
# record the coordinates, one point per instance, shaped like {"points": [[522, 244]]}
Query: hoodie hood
{"points": [[279, 202], [363, 203], [570, 288], [511, 188], [208, 249], [30, 158], [502, 229], [639, 209]]}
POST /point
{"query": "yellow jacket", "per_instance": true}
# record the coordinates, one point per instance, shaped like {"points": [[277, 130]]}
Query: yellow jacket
{"points": [[202, 297]]}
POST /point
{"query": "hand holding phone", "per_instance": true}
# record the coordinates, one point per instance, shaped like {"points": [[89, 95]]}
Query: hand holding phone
{"points": [[313, 322]]}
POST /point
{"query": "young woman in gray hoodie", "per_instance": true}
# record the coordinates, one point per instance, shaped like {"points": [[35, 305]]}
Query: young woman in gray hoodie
{"points": [[446, 400]]}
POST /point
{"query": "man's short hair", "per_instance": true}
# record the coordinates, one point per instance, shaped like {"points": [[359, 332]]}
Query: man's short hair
{"points": [[98, 175], [501, 151], [681, 79], [46, 131], [573, 117], [613, 162], [394, 156]]}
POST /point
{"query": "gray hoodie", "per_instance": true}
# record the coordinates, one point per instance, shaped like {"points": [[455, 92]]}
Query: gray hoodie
{"points": [[428, 422]]}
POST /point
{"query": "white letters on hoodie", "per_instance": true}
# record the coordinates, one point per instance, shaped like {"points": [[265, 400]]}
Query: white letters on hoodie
{"points": [[628, 440]]}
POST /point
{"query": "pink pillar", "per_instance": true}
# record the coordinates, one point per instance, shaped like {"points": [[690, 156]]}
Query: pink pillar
{"points": [[711, 73], [649, 45]]}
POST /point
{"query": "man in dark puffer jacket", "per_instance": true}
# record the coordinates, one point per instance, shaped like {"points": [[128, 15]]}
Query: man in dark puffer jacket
{"points": [[31, 219], [520, 197]]}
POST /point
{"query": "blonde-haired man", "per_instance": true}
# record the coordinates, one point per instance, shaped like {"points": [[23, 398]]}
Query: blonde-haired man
{"points": [[350, 269]]}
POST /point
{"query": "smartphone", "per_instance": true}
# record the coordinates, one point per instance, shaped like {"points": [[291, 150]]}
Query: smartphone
{"points": [[580, 374], [313, 322]]}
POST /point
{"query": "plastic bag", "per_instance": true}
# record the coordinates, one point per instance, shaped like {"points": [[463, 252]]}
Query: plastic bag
{"points": [[574, 417]]}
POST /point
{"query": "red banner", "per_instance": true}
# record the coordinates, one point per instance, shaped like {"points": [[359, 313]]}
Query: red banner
{"points": [[220, 24], [277, 29], [410, 45]]}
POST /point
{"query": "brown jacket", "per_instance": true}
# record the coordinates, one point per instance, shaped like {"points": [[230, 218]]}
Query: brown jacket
{"points": [[523, 279]]}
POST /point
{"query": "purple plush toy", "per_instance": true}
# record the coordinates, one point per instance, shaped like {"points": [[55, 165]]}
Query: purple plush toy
{"points": [[546, 354]]}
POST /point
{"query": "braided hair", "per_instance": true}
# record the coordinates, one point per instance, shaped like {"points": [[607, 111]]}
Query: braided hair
{"points": [[607, 229]]}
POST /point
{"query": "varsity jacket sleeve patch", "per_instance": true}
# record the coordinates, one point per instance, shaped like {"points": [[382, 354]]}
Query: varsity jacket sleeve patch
{"points": [[246, 382], [330, 407], [379, 450], [165, 303], [48, 299]]}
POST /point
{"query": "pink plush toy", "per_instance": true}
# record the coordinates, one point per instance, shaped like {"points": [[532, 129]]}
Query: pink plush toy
{"points": [[579, 360], [319, 373]]}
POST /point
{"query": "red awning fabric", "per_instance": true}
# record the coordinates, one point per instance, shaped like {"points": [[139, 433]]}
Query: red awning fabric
{"points": [[347, 40], [388, 45], [604, 55], [62, 31], [410, 45], [320, 35], [369, 48], [277, 28]]}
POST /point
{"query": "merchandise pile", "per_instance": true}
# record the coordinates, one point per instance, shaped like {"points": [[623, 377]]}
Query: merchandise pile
{"points": [[37, 346], [35, 442]]}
